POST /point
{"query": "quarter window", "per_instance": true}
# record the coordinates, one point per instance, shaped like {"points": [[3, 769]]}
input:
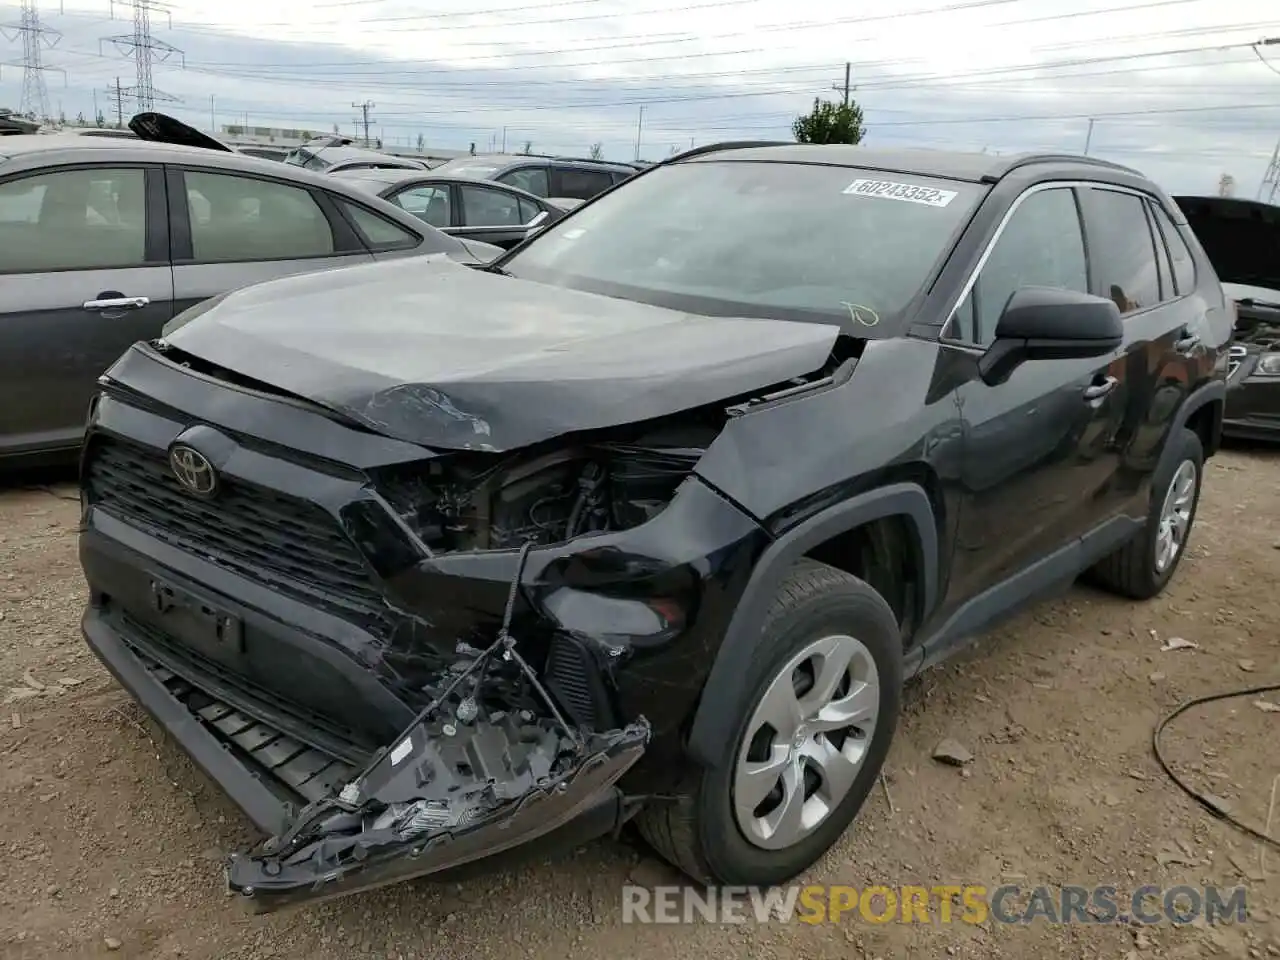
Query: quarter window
{"points": [[528, 211], [1184, 271], [484, 207], [377, 232], [1040, 246], [533, 179], [73, 220], [1121, 248], [242, 218]]}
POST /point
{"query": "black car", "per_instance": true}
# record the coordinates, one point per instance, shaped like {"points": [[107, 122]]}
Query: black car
{"points": [[1242, 239], [474, 210], [565, 177], [650, 518], [103, 240]]}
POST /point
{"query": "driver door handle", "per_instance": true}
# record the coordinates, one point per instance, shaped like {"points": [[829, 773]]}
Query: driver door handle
{"points": [[1099, 390], [117, 303]]}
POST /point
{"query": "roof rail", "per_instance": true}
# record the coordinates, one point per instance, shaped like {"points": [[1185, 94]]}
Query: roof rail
{"points": [[724, 145], [611, 163], [1068, 158]]}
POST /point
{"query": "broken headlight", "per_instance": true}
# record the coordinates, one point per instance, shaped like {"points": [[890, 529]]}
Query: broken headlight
{"points": [[1268, 365]]}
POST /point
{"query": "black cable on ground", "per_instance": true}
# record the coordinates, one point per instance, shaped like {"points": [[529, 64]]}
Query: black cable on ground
{"points": [[1191, 791]]}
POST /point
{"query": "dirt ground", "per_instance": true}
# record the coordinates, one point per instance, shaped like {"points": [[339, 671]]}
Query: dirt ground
{"points": [[112, 842]]}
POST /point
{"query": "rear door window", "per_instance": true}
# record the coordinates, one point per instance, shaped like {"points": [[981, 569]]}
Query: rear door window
{"points": [[1184, 270], [236, 218], [1122, 250], [579, 184]]}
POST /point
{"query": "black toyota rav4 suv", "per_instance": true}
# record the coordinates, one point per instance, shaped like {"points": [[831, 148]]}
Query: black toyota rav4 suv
{"points": [[649, 520]]}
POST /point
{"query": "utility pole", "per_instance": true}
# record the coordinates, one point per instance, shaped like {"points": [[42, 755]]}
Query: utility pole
{"points": [[848, 70], [35, 94], [1272, 177], [364, 109], [504, 139], [118, 92], [1088, 137], [639, 130], [145, 51], [213, 116]]}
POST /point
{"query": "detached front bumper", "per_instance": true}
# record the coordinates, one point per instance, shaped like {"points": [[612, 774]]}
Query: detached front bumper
{"points": [[438, 798]]}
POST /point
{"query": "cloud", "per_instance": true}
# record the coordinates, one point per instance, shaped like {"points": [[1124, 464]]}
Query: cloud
{"points": [[1000, 75]]}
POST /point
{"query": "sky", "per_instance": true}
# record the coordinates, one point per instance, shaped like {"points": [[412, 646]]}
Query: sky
{"points": [[1173, 87]]}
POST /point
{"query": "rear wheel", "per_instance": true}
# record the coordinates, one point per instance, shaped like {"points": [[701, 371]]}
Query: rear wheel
{"points": [[809, 742], [1141, 568]]}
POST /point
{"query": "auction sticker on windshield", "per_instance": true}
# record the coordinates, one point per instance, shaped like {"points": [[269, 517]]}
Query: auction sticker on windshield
{"points": [[908, 192]]}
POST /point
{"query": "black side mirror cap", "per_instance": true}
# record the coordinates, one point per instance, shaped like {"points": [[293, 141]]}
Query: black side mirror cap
{"points": [[1048, 323]]}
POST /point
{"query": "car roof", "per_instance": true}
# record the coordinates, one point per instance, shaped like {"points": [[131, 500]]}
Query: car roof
{"points": [[946, 164], [60, 150], [389, 178], [503, 160]]}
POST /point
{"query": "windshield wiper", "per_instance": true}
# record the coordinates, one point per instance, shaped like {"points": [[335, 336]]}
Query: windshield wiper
{"points": [[1255, 302]]}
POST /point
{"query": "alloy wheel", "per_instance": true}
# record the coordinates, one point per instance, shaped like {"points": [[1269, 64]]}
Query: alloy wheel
{"points": [[806, 741], [1175, 516]]}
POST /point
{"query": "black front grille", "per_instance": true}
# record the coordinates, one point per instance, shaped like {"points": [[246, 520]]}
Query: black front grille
{"points": [[290, 544]]}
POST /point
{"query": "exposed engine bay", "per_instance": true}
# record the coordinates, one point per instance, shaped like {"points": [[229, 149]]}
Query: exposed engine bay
{"points": [[486, 501], [1257, 326]]}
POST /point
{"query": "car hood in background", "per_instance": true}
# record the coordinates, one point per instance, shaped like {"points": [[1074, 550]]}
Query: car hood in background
{"points": [[1241, 238], [446, 356], [162, 128]]}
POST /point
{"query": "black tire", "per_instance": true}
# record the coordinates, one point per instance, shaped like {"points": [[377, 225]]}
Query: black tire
{"points": [[699, 833], [1131, 571]]}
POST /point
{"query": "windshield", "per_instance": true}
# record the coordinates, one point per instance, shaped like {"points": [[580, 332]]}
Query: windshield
{"points": [[734, 238], [303, 157], [463, 168]]}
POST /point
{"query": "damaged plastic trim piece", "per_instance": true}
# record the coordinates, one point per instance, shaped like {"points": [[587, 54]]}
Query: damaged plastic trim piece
{"points": [[451, 789]]}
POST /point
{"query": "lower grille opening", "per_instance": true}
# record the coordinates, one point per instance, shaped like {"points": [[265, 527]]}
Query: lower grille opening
{"points": [[305, 773]]}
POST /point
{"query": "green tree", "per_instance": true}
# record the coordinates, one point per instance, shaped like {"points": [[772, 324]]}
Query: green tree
{"points": [[422, 143], [528, 147], [597, 151], [830, 122]]}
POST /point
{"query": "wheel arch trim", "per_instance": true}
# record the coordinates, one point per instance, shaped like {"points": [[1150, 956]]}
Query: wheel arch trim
{"points": [[1214, 391], [726, 684]]}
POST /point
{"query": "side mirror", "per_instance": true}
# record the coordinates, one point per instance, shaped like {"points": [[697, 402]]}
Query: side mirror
{"points": [[1046, 323]]}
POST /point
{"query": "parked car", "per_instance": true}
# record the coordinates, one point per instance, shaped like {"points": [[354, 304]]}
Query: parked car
{"points": [[652, 516], [90, 262], [1242, 240], [334, 154], [542, 176], [491, 212]]}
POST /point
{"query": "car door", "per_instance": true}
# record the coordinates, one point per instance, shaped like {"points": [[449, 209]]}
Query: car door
{"points": [[1130, 256], [231, 229], [1039, 452], [492, 215], [84, 272]]}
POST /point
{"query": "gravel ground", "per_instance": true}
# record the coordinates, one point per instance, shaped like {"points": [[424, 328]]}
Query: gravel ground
{"points": [[113, 842]]}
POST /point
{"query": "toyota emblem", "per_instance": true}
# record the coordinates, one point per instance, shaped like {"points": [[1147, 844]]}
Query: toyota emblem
{"points": [[193, 470]]}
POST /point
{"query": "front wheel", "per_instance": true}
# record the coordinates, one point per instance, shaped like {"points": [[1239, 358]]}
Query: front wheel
{"points": [[825, 681]]}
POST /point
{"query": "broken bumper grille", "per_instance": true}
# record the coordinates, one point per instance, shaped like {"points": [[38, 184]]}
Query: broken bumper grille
{"points": [[307, 773], [291, 544]]}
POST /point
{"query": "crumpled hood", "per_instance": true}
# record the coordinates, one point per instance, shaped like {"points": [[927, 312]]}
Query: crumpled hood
{"points": [[1240, 237], [443, 355]]}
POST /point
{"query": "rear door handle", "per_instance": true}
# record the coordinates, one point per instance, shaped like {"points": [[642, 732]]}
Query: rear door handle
{"points": [[1099, 390], [1186, 344], [117, 303]]}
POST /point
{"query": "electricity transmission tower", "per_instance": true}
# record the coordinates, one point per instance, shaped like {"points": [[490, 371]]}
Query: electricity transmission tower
{"points": [[35, 95], [1271, 178], [145, 50]]}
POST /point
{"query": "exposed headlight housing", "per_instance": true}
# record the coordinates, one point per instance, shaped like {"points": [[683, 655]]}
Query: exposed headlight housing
{"points": [[1268, 365]]}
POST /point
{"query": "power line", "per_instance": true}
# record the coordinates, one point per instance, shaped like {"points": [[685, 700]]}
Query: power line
{"points": [[35, 38], [145, 50]]}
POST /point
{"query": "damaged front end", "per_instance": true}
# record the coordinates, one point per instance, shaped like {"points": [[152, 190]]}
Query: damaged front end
{"points": [[489, 764]]}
